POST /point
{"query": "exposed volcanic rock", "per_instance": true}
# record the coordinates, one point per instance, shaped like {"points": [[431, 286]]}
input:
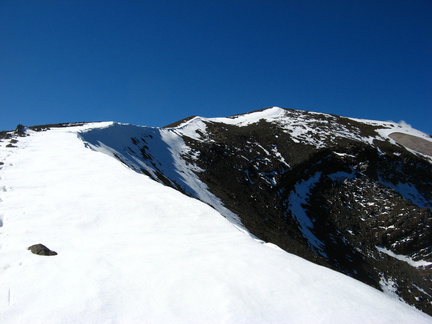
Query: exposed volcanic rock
{"points": [[413, 142], [41, 249], [337, 191]]}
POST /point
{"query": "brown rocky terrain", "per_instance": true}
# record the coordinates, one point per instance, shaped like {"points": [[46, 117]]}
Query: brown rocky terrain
{"points": [[413, 142]]}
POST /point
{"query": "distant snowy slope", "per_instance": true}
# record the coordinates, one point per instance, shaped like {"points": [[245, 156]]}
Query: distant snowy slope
{"points": [[131, 250], [308, 127]]}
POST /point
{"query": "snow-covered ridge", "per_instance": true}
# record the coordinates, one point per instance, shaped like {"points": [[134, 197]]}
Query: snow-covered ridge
{"points": [[311, 128], [269, 114], [238, 120], [131, 250]]}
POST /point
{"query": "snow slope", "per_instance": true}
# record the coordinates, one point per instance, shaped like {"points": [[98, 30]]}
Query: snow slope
{"points": [[131, 250]]}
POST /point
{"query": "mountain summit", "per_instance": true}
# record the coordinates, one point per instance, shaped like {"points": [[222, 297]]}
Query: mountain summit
{"points": [[270, 186]]}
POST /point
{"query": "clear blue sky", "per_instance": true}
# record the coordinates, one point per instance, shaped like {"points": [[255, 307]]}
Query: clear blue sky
{"points": [[154, 62]]}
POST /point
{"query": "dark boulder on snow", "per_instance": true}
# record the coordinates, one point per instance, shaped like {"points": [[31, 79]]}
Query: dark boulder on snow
{"points": [[41, 249], [20, 130]]}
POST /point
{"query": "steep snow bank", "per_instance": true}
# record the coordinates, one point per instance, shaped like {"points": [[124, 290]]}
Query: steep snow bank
{"points": [[156, 152]]}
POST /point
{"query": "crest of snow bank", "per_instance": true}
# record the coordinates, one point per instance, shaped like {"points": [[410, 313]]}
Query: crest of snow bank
{"points": [[190, 127], [156, 152]]}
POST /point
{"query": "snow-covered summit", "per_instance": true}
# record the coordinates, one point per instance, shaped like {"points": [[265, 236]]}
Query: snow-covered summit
{"points": [[316, 128], [269, 114]]}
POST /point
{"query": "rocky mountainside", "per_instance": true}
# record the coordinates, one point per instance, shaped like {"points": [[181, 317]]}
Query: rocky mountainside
{"points": [[352, 195]]}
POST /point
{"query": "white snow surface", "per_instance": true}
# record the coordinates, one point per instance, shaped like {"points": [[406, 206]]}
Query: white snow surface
{"points": [[131, 250]]}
